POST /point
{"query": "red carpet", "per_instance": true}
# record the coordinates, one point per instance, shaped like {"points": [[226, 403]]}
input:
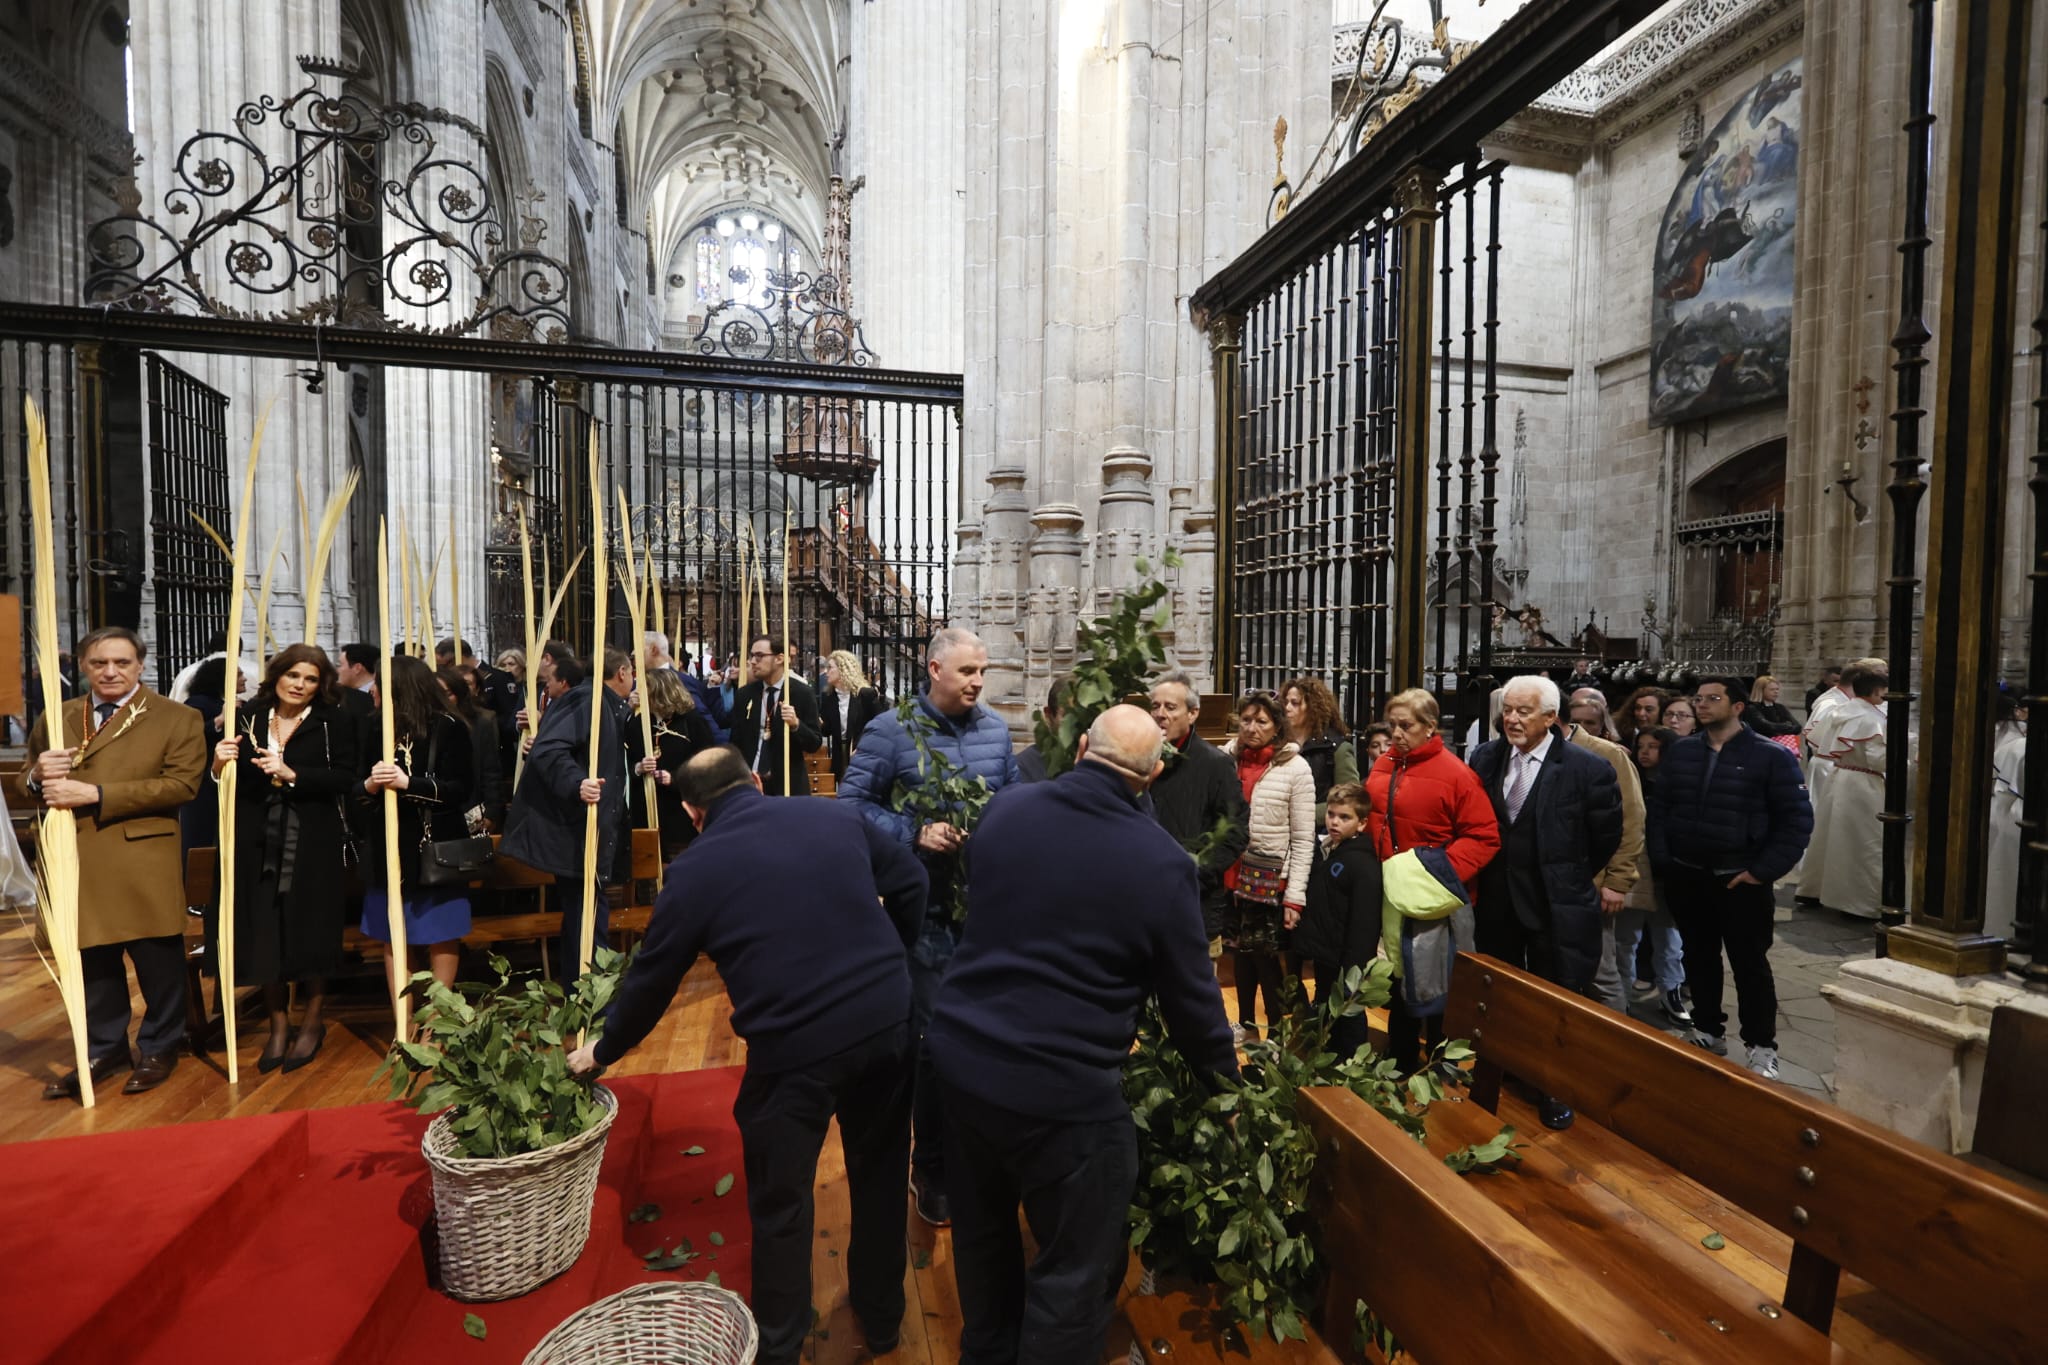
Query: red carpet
{"points": [[299, 1237]]}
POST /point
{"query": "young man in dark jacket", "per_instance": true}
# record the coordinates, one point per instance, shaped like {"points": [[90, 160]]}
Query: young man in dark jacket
{"points": [[806, 911], [1728, 816], [1340, 925], [1030, 1032], [544, 828], [1198, 792], [774, 705]]}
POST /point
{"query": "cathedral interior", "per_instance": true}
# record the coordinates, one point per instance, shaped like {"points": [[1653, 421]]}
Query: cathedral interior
{"points": [[1408, 343]]}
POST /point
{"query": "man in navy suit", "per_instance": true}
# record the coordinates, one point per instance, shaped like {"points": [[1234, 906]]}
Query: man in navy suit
{"points": [[1559, 808]]}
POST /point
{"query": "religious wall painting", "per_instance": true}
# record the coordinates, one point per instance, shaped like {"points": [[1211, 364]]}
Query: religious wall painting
{"points": [[1721, 293]]}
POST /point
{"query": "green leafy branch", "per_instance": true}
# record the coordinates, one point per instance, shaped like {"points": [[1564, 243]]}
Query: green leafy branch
{"points": [[944, 792], [1116, 655], [1226, 1200], [496, 1057]]}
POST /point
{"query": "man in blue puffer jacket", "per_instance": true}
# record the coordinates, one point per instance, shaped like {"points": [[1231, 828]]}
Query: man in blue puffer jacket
{"points": [[887, 762], [1728, 816]]}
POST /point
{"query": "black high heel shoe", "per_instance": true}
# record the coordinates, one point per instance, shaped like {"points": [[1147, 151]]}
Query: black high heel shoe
{"points": [[292, 1064], [267, 1063]]}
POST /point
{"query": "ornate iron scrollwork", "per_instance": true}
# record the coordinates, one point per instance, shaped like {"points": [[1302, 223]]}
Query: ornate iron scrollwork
{"points": [[802, 321], [1387, 63], [366, 214]]}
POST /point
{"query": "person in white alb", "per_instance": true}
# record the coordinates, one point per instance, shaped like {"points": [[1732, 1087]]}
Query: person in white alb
{"points": [[1819, 736], [1846, 831]]}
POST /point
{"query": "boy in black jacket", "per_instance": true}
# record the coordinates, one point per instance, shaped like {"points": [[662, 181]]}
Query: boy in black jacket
{"points": [[1340, 925]]}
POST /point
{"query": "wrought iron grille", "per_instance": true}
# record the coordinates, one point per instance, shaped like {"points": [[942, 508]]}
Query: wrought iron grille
{"points": [[188, 473], [1313, 569], [1311, 508], [708, 487]]}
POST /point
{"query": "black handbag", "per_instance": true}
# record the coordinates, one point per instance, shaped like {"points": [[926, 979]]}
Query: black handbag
{"points": [[449, 862], [351, 845]]}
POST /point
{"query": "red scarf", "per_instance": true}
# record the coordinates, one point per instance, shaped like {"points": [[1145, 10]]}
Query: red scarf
{"points": [[1252, 765]]}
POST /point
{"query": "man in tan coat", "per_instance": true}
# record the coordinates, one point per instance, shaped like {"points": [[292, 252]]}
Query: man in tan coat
{"points": [[125, 760]]}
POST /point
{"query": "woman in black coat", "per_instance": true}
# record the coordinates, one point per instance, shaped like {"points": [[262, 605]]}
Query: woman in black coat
{"points": [[846, 707], [296, 761], [492, 788], [680, 730], [435, 778]]}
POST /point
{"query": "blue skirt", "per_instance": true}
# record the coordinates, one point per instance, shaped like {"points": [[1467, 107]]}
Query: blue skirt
{"points": [[431, 916]]}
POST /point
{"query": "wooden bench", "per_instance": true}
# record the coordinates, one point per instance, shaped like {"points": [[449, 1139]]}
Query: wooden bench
{"points": [[632, 905], [1487, 1267]]}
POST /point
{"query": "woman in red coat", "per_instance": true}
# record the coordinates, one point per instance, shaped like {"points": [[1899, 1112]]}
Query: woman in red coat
{"points": [[1423, 796]]}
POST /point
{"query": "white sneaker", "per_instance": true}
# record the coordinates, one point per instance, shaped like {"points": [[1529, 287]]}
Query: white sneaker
{"points": [[1237, 1035], [1764, 1062], [1710, 1042]]}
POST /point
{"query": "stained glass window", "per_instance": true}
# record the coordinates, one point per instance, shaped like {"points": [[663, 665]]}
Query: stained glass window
{"points": [[707, 268]]}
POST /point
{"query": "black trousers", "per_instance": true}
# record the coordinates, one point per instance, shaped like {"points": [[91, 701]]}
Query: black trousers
{"points": [[782, 1118], [1074, 1181], [160, 971], [565, 898], [1711, 916]]}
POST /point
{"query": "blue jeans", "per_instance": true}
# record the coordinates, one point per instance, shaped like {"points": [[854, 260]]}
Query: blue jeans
{"points": [[1667, 952], [929, 957], [1074, 1180]]}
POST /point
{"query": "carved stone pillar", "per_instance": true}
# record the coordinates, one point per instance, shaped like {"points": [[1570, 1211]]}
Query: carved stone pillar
{"points": [[1005, 531], [1124, 524]]}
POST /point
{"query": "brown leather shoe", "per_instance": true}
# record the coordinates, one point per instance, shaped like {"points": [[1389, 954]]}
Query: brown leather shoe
{"points": [[151, 1072], [103, 1070]]}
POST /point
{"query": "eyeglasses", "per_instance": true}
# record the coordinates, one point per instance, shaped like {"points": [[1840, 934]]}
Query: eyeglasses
{"points": [[761, 654], [1701, 698]]}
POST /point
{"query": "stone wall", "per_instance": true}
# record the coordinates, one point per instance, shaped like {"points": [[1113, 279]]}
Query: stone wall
{"points": [[1118, 156]]}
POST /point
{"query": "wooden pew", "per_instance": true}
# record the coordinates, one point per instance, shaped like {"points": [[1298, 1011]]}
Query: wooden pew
{"points": [[1960, 1246], [632, 905], [1455, 1278]]}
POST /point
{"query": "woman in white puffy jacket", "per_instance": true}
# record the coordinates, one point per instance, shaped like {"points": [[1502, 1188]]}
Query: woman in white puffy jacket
{"points": [[1269, 883]]}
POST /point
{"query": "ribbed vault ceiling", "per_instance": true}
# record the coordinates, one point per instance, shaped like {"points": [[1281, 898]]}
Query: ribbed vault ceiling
{"points": [[720, 102]]}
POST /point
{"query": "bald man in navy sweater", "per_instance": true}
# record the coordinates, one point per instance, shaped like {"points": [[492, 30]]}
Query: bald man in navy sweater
{"points": [[808, 911], [1079, 906]]}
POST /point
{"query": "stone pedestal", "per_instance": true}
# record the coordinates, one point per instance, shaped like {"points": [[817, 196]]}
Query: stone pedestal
{"points": [[1909, 1046]]}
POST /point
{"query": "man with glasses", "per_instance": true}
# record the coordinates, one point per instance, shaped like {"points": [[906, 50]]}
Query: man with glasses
{"points": [[774, 702], [1729, 816]]}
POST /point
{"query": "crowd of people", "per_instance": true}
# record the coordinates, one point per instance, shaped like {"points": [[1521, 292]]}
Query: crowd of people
{"points": [[972, 1063]]}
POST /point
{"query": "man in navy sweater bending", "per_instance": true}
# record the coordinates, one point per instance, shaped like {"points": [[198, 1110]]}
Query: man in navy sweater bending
{"points": [[783, 896], [1078, 907]]}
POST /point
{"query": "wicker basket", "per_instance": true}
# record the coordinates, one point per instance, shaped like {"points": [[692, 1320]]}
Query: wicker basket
{"points": [[508, 1223], [667, 1322]]}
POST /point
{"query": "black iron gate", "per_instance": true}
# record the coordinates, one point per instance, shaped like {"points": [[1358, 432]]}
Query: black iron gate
{"points": [[186, 427], [1315, 578]]}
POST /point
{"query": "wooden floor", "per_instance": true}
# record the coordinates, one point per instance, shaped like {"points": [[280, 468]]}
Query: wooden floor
{"points": [[35, 1048]]}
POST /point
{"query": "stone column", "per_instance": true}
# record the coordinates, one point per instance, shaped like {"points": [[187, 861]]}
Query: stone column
{"points": [[1841, 375], [910, 142], [1126, 155], [195, 63], [436, 424]]}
